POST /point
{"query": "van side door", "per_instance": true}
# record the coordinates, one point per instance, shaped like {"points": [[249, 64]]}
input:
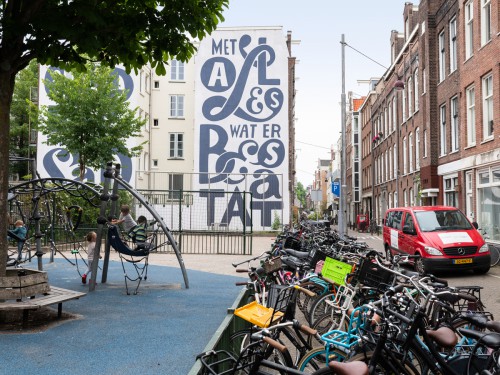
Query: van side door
{"points": [[408, 234]]}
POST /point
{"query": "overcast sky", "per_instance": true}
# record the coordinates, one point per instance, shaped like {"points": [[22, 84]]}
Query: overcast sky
{"points": [[318, 26]]}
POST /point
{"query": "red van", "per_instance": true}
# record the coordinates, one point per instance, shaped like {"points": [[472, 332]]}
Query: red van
{"points": [[443, 237]]}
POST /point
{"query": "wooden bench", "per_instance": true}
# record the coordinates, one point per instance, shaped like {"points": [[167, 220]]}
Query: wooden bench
{"points": [[55, 295]]}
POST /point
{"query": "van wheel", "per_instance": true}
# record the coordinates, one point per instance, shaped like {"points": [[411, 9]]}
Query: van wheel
{"points": [[419, 266], [481, 271], [388, 254]]}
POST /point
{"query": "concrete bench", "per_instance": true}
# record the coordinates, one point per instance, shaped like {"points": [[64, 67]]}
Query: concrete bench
{"points": [[55, 295]]}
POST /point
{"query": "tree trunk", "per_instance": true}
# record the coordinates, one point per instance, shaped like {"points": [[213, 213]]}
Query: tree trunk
{"points": [[7, 80]]}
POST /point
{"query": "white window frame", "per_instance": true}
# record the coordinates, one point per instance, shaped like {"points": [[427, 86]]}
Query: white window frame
{"points": [[485, 21], [395, 164], [156, 122], [410, 96], [454, 123], [469, 29], [156, 85], [487, 85], [424, 81], [176, 106], [470, 98], [154, 164], [177, 70], [442, 130], [425, 143], [410, 152], [403, 104], [176, 145], [417, 149], [416, 93], [405, 158], [442, 56], [394, 113], [453, 44]]}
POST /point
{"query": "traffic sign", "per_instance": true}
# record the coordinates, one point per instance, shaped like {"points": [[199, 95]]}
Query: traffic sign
{"points": [[336, 188]]}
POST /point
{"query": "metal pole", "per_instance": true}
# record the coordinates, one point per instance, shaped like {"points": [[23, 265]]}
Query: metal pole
{"points": [[343, 186]]}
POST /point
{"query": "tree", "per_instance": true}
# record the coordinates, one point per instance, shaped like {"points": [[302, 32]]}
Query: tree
{"points": [[67, 34], [301, 193], [92, 117], [23, 116]]}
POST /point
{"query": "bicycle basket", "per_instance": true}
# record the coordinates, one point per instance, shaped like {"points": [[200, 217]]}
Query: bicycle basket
{"points": [[272, 265], [279, 297], [336, 270], [372, 275], [259, 315], [217, 362]]}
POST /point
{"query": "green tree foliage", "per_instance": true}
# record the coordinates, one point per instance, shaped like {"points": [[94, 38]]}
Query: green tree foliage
{"points": [[23, 116], [300, 191], [91, 118], [67, 34]]}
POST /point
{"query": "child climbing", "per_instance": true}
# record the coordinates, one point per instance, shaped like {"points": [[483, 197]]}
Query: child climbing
{"points": [[91, 240], [19, 233], [126, 219]]}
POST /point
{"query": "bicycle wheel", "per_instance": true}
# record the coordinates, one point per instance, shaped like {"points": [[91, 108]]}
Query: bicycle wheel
{"points": [[239, 348], [326, 323], [315, 359], [320, 307], [495, 255]]}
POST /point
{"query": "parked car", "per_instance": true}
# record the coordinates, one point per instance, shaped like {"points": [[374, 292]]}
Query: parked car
{"points": [[443, 237]]}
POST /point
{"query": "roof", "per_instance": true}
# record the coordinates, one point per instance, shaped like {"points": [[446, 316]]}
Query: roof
{"points": [[357, 103]]}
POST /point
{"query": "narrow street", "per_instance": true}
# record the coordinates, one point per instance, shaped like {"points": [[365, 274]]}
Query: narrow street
{"points": [[490, 282]]}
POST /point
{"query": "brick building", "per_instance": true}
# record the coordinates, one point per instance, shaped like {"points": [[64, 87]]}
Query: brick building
{"points": [[428, 133]]}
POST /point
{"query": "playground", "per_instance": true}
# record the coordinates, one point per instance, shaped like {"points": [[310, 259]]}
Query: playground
{"points": [[159, 330]]}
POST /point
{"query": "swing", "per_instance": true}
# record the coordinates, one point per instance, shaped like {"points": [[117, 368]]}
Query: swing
{"points": [[133, 256]]}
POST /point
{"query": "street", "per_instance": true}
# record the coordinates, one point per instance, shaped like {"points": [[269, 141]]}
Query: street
{"points": [[490, 294]]}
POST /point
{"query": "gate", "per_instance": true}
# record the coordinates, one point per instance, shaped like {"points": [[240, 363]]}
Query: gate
{"points": [[204, 222]]}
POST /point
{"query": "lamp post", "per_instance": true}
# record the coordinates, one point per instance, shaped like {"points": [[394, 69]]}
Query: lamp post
{"points": [[343, 186]]}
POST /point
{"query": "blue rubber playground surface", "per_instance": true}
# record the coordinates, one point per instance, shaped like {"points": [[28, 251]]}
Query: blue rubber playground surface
{"points": [[158, 331]]}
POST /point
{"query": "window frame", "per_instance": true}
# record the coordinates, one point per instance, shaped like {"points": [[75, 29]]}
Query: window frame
{"points": [[453, 44], [441, 56], [470, 92], [487, 99], [469, 28], [176, 106], [176, 145]]}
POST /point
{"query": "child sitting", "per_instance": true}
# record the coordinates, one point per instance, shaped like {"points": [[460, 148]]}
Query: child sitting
{"points": [[138, 233]]}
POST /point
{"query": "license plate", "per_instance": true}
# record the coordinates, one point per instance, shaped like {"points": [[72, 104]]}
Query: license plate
{"points": [[462, 261]]}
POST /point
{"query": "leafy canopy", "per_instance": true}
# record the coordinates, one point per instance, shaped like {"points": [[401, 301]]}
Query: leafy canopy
{"points": [[92, 117]]}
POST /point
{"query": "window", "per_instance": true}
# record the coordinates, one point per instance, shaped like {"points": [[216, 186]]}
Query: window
{"points": [[155, 163], [471, 116], [412, 202], [417, 149], [156, 122], [415, 79], [146, 82], [403, 103], [488, 201], [390, 167], [156, 84], [424, 81], [454, 124], [176, 106], [176, 145], [405, 197], [405, 170], [488, 106], [442, 57], [176, 70], [394, 113], [469, 29], [442, 130], [410, 96], [425, 143], [485, 21], [395, 165], [453, 45], [410, 151], [175, 185], [450, 191]]}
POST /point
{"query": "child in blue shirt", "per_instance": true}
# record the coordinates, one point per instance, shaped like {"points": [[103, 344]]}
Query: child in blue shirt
{"points": [[20, 235]]}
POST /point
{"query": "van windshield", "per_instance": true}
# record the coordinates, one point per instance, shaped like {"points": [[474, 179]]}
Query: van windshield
{"points": [[430, 221]]}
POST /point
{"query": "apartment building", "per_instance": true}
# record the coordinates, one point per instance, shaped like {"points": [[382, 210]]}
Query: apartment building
{"points": [[432, 116]]}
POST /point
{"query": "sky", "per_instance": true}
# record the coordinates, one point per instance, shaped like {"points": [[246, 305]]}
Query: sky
{"points": [[318, 26]]}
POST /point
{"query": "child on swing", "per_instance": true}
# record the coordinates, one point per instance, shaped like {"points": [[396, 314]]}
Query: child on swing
{"points": [[91, 240]]}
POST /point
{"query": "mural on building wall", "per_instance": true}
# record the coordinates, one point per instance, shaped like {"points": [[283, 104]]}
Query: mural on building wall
{"points": [[242, 122], [55, 161]]}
